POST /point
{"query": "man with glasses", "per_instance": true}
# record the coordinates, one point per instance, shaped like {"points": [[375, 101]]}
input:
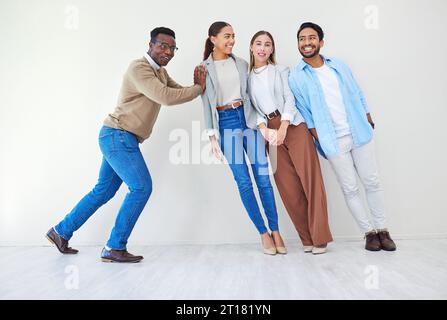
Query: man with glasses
{"points": [[146, 86], [338, 117]]}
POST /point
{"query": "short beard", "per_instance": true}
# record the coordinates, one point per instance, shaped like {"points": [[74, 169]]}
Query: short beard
{"points": [[316, 53]]}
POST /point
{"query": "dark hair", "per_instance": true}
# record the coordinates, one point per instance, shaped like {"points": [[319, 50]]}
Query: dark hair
{"points": [[311, 25], [272, 59], [213, 31], [162, 30]]}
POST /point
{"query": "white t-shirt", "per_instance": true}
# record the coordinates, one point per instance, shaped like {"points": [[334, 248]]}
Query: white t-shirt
{"points": [[260, 90], [229, 82], [334, 99]]}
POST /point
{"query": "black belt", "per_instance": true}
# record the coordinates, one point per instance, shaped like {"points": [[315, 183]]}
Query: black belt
{"points": [[274, 114]]}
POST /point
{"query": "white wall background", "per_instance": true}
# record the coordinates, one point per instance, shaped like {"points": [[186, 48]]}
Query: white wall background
{"points": [[61, 64]]}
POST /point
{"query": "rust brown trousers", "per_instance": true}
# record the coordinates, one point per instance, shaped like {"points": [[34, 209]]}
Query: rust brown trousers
{"points": [[300, 183]]}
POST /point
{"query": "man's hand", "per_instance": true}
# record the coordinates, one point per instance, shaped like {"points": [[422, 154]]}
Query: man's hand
{"points": [[370, 120], [200, 76]]}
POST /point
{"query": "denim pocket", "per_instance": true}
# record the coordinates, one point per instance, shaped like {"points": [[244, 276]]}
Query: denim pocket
{"points": [[224, 114], [128, 139], [106, 131], [230, 119], [107, 140]]}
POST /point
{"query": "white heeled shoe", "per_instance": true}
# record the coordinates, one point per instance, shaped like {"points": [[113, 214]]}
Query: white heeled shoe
{"points": [[316, 250], [308, 249]]}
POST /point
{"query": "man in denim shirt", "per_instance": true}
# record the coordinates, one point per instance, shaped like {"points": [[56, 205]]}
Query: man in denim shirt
{"points": [[338, 117]]}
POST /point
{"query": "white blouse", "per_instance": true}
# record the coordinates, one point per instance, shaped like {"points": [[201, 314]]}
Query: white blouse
{"points": [[260, 90]]}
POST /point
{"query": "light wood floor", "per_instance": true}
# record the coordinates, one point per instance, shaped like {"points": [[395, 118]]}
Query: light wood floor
{"points": [[417, 270]]}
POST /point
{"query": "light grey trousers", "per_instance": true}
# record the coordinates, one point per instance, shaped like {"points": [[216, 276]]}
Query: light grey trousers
{"points": [[360, 160]]}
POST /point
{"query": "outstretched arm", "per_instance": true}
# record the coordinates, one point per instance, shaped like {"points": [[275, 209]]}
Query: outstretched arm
{"points": [[148, 84]]}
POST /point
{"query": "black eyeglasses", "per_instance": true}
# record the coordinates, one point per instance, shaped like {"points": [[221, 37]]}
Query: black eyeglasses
{"points": [[164, 46]]}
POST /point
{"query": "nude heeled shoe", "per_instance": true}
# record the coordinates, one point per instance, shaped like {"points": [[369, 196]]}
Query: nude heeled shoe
{"points": [[270, 251], [280, 250]]}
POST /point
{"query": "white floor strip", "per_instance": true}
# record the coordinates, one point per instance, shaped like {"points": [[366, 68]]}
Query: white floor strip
{"points": [[417, 270]]}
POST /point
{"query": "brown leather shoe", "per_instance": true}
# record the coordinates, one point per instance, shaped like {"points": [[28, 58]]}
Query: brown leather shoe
{"points": [[386, 242], [121, 256], [372, 241], [61, 243]]}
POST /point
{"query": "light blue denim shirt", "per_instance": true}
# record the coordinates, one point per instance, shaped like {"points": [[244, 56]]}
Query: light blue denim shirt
{"points": [[311, 103]]}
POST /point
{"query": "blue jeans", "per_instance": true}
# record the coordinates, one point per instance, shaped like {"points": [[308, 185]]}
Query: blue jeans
{"points": [[122, 161], [236, 139]]}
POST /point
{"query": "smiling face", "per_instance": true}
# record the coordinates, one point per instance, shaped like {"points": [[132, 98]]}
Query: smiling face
{"points": [[309, 43], [262, 48], [224, 40], [162, 51]]}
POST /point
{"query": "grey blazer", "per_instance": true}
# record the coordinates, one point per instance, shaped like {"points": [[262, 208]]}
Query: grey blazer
{"points": [[279, 89], [209, 97]]}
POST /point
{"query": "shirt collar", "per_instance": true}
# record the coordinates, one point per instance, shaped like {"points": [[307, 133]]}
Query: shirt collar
{"points": [[303, 64], [151, 61]]}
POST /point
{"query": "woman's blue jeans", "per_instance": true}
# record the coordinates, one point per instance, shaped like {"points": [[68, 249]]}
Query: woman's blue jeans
{"points": [[236, 140]]}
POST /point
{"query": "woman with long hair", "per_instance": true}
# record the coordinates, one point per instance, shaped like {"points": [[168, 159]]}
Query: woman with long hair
{"points": [[292, 153], [230, 121]]}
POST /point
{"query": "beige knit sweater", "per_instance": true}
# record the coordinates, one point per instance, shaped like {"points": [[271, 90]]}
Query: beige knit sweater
{"points": [[143, 91]]}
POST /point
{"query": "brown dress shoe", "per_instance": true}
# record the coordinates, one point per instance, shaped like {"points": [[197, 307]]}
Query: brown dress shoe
{"points": [[61, 243], [372, 241], [386, 242], [121, 256]]}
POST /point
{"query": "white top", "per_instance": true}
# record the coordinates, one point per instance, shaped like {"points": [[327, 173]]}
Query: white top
{"points": [[260, 89], [261, 92], [229, 83], [151, 61], [334, 99]]}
